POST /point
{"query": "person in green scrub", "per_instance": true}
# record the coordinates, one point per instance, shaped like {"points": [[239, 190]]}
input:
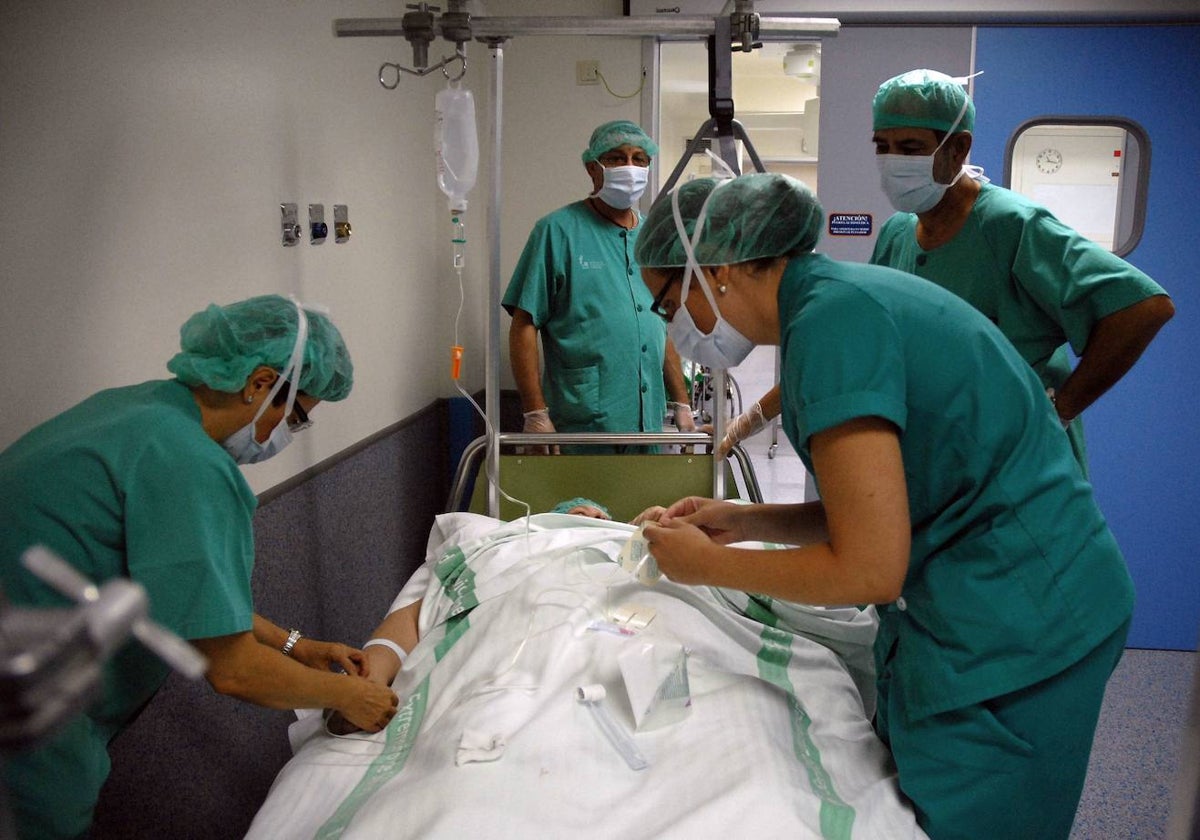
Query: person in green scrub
{"points": [[608, 364], [1043, 284], [143, 482], [949, 497]]}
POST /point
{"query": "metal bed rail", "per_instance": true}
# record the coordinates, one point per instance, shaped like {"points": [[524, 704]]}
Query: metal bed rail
{"points": [[474, 452]]}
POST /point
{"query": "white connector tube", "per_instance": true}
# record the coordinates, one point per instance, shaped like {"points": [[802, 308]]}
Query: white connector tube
{"points": [[592, 696]]}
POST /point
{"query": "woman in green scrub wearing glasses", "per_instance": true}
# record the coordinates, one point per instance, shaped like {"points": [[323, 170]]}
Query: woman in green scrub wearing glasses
{"points": [[143, 482], [950, 498]]}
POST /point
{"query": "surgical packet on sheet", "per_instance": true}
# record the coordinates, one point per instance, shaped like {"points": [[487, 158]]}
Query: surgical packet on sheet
{"points": [[656, 680], [636, 559]]}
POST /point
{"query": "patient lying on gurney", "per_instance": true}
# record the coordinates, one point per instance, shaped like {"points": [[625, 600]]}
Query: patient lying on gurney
{"points": [[515, 641], [397, 634]]}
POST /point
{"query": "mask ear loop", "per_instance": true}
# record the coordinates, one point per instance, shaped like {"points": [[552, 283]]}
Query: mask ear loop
{"points": [[293, 366], [689, 245], [961, 112]]}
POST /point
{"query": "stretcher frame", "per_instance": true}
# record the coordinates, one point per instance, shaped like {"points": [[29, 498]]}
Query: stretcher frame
{"points": [[625, 483]]}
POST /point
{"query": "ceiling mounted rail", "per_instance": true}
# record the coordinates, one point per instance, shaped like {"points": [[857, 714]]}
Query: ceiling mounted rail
{"points": [[671, 28]]}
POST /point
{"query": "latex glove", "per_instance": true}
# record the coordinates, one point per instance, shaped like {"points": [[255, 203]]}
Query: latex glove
{"points": [[538, 422], [1065, 421], [741, 427], [684, 421]]}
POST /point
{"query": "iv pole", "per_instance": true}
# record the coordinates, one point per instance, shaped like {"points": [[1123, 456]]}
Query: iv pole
{"points": [[457, 26]]}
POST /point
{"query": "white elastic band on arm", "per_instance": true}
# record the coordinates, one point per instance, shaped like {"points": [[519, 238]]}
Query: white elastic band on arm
{"points": [[390, 645]]}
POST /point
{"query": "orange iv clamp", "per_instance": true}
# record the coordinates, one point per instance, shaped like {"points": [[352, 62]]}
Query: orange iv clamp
{"points": [[456, 354]]}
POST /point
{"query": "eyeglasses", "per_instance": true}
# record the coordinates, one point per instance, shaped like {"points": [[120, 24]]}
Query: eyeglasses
{"points": [[301, 421], [656, 305], [611, 159]]}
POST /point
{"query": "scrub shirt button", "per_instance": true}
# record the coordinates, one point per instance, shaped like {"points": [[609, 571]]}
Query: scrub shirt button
{"points": [[643, 348], [901, 604], [639, 307], [644, 389], [922, 259]]}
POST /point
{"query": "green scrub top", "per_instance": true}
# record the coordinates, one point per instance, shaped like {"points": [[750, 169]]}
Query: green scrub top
{"points": [[126, 483], [1039, 281], [604, 348], [1013, 573]]}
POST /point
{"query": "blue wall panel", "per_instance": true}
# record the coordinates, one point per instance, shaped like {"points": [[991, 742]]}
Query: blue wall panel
{"points": [[1142, 435]]}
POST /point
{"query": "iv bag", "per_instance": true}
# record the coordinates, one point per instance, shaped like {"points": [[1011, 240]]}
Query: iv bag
{"points": [[456, 144]]}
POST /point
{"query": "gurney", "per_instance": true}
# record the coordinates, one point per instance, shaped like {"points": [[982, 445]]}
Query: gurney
{"points": [[770, 738]]}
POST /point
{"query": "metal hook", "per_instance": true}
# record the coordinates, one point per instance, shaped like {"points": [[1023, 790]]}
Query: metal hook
{"points": [[461, 56], [397, 68]]}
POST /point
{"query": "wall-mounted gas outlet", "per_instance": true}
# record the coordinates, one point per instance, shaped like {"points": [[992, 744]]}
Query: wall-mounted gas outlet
{"points": [[291, 224], [587, 72]]}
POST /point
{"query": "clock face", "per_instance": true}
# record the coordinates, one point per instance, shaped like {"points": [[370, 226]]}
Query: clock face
{"points": [[1048, 161]]}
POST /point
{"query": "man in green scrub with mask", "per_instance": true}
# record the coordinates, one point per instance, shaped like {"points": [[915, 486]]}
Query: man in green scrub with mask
{"points": [[1043, 284], [608, 364], [143, 482]]}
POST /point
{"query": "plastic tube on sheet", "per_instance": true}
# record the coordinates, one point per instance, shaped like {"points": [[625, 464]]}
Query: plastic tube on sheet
{"points": [[592, 696]]}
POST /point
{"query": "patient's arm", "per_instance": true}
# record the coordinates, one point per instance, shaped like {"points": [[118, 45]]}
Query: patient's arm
{"points": [[399, 627]]}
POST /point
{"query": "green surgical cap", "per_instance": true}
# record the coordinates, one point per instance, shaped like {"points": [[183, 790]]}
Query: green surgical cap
{"points": [[764, 214], [578, 501], [222, 345], [618, 133], [923, 99]]}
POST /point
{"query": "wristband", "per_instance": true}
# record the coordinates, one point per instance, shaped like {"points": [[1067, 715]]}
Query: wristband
{"points": [[294, 636], [390, 645]]}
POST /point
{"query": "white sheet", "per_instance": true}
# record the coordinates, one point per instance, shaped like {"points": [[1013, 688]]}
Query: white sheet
{"points": [[776, 742]]}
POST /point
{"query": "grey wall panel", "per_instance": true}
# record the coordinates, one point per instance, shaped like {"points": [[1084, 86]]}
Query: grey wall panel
{"points": [[333, 549]]}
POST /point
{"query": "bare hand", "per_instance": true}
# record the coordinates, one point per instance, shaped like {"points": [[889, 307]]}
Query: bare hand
{"points": [[717, 520], [369, 705], [650, 514], [684, 553], [327, 655]]}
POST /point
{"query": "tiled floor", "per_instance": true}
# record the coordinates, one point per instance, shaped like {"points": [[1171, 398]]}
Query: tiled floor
{"points": [[780, 474]]}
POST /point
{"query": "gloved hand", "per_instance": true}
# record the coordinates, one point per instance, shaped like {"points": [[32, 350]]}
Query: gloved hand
{"points": [[741, 427], [682, 415], [1065, 421], [538, 423]]}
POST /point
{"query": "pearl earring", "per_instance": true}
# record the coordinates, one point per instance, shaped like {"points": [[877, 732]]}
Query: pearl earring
{"points": [[721, 288], [249, 399]]}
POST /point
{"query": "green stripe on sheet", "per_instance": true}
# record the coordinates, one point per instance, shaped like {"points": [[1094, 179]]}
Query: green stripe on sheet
{"points": [[458, 581], [837, 817]]}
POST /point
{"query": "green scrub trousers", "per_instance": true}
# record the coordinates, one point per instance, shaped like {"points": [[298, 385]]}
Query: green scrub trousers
{"points": [[1009, 768]]}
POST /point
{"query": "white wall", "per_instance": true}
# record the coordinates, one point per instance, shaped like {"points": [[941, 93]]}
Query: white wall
{"points": [[145, 147], [548, 118]]}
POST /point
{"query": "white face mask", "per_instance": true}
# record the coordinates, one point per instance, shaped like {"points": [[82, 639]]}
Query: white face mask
{"points": [[623, 186], [908, 179], [724, 347], [242, 444]]}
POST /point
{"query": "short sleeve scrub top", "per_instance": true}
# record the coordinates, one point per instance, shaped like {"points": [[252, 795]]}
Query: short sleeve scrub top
{"points": [[128, 484]]}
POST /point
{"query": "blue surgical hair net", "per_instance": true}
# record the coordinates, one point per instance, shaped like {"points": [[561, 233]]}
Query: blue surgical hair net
{"points": [[610, 135], [764, 214], [923, 99], [220, 347]]}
